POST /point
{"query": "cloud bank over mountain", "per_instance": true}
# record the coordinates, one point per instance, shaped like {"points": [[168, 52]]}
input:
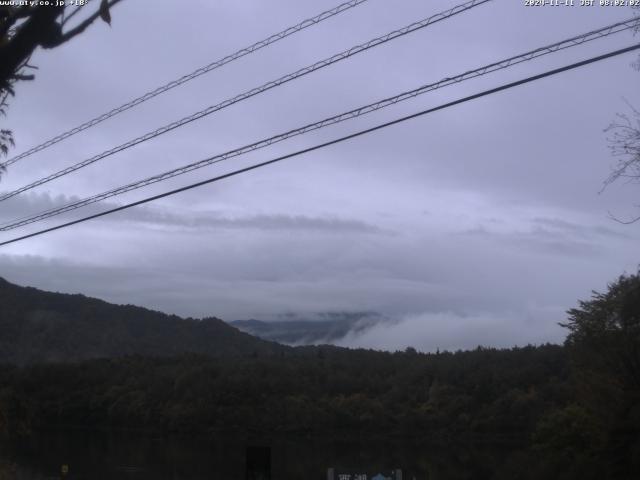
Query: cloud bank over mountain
{"points": [[481, 223]]}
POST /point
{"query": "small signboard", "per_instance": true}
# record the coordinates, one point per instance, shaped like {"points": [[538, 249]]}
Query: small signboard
{"points": [[363, 474]]}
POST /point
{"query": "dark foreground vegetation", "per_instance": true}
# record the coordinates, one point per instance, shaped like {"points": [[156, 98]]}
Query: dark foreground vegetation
{"points": [[569, 411]]}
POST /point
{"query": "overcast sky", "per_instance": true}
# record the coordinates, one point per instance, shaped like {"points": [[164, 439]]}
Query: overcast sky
{"points": [[479, 224]]}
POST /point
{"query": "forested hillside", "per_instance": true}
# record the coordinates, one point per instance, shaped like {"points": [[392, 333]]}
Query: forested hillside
{"points": [[569, 411], [38, 326], [523, 401], [321, 390]]}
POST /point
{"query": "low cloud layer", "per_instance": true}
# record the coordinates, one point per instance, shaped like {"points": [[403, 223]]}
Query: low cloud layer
{"points": [[479, 224], [446, 280], [30, 203], [430, 332]]}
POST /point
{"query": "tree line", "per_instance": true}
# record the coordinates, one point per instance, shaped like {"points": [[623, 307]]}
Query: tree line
{"points": [[570, 411]]}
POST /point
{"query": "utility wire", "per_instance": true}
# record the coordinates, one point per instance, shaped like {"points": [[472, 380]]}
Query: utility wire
{"points": [[190, 76], [573, 41], [335, 141], [255, 91]]}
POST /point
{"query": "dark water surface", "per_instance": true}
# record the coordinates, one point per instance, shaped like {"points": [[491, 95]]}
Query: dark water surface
{"points": [[109, 456]]}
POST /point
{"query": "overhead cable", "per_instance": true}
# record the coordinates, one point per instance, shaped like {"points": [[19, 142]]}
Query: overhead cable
{"points": [[190, 76], [363, 110], [332, 142], [255, 91]]}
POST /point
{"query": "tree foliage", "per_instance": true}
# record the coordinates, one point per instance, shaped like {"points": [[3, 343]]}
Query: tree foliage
{"points": [[604, 347], [624, 143], [39, 327], [26, 26], [604, 334], [484, 392], [570, 412]]}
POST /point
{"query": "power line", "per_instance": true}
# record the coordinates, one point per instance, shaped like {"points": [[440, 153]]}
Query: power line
{"points": [[333, 142], [190, 76], [255, 91], [570, 42]]}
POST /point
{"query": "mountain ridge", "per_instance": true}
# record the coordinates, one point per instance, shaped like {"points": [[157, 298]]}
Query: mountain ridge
{"points": [[38, 326]]}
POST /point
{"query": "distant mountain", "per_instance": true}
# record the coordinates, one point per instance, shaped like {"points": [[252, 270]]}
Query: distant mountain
{"points": [[324, 328], [39, 326]]}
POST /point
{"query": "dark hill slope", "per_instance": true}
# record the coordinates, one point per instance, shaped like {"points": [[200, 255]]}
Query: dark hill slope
{"points": [[39, 326]]}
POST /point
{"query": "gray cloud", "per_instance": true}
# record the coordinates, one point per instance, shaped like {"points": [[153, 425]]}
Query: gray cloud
{"points": [[30, 203], [540, 239], [479, 224], [259, 222], [585, 231]]}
